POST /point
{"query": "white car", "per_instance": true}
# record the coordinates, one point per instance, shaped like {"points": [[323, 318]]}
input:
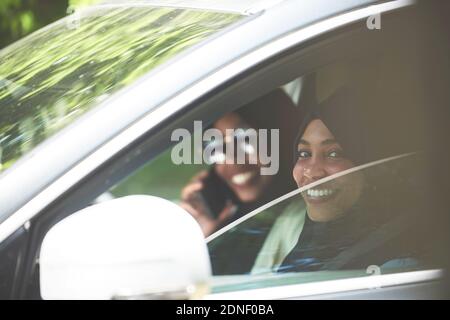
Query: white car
{"points": [[89, 193]]}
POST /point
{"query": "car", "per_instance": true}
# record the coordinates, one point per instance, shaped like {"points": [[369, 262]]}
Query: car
{"points": [[89, 188]]}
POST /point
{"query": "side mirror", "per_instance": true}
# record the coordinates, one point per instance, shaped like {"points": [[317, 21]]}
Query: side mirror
{"points": [[136, 247]]}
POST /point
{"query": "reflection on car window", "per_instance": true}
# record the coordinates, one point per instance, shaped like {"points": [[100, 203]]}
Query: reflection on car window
{"points": [[53, 76], [384, 226]]}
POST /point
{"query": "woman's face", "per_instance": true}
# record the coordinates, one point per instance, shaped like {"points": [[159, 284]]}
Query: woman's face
{"points": [[319, 155], [244, 179]]}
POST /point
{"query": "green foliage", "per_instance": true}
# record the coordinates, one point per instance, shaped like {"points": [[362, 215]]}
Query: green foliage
{"points": [[82, 3], [20, 17], [52, 77], [157, 178]]}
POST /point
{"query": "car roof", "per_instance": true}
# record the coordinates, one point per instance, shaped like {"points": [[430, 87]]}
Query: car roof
{"points": [[244, 7]]}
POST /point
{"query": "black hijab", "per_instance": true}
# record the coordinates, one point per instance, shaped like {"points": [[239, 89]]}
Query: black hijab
{"points": [[321, 242], [341, 115]]}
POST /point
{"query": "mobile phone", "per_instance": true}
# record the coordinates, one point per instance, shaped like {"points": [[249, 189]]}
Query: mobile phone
{"points": [[215, 194]]}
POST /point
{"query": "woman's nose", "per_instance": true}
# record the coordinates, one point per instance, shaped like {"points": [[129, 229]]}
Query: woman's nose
{"points": [[314, 171]]}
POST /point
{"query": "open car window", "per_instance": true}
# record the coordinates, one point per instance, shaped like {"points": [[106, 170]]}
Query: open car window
{"points": [[194, 157], [381, 227]]}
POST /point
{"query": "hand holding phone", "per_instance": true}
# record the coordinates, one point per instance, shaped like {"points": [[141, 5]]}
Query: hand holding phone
{"points": [[209, 200]]}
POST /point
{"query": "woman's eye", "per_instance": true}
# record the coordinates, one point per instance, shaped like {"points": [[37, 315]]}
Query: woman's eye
{"points": [[335, 154], [303, 154]]}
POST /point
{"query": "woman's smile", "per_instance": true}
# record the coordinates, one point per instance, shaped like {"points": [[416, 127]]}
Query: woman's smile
{"points": [[243, 178], [320, 195]]}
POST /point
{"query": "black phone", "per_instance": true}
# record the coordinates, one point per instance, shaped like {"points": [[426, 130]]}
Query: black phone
{"points": [[215, 194]]}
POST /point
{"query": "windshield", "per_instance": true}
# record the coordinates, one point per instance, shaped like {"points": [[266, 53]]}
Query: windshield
{"points": [[55, 75]]}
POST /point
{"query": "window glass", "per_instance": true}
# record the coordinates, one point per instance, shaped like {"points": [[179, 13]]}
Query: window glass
{"points": [[157, 178], [363, 197], [205, 175], [371, 217]]}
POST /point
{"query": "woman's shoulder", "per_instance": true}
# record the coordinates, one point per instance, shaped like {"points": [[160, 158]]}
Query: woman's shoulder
{"points": [[282, 237]]}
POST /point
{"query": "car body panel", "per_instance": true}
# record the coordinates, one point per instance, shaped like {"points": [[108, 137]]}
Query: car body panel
{"points": [[332, 287], [235, 6]]}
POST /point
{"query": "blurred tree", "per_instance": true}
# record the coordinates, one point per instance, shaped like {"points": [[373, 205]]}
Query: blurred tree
{"points": [[21, 17], [79, 3]]}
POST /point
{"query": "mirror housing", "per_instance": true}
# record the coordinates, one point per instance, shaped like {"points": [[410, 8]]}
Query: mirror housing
{"points": [[135, 247]]}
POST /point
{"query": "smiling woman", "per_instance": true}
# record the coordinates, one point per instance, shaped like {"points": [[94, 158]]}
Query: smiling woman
{"points": [[329, 143], [52, 77]]}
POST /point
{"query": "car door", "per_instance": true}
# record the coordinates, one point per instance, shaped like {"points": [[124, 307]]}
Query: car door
{"points": [[289, 61]]}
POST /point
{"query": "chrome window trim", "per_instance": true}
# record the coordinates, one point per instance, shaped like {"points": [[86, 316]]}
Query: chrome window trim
{"points": [[115, 145], [316, 289]]}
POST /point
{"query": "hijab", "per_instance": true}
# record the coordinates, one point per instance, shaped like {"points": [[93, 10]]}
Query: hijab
{"points": [[320, 242]]}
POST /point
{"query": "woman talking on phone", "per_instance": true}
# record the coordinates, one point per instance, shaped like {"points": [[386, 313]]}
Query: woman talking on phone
{"points": [[229, 190]]}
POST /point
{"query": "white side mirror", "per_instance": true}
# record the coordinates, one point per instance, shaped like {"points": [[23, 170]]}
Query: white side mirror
{"points": [[135, 247]]}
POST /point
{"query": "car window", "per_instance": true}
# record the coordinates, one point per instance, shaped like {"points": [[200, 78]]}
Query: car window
{"points": [[157, 178], [50, 78], [364, 186], [383, 226], [355, 103], [175, 174], [363, 197]]}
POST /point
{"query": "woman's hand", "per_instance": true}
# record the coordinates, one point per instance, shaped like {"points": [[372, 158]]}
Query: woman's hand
{"points": [[192, 204]]}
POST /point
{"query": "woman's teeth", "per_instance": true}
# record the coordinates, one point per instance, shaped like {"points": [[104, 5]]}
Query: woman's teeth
{"points": [[242, 178], [317, 193]]}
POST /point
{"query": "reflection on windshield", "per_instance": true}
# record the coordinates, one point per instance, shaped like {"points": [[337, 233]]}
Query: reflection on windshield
{"points": [[52, 77], [378, 220]]}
